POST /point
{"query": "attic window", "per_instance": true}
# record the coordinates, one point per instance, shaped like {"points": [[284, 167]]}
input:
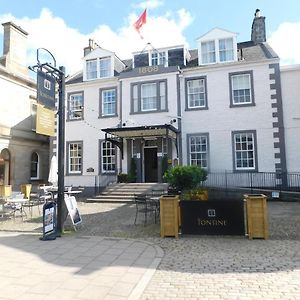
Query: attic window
{"points": [[218, 50], [98, 68]]}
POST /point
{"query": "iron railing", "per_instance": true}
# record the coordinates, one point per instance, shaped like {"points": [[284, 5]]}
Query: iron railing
{"points": [[283, 181]]}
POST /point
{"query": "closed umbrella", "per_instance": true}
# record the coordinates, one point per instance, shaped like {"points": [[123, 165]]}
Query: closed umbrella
{"points": [[53, 177]]}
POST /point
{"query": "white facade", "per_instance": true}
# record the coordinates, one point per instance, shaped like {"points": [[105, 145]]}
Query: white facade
{"points": [[222, 109], [290, 78]]}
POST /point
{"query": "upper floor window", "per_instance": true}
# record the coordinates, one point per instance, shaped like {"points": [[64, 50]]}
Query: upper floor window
{"points": [[75, 157], [75, 106], [196, 95], [241, 89], [217, 50], [91, 69], [34, 172], [149, 96], [198, 150], [98, 68], [226, 50], [108, 102], [208, 52], [158, 58], [244, 149]]}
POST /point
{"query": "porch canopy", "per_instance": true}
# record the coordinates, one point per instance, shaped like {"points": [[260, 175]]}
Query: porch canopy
{"points": [[117, 134]]}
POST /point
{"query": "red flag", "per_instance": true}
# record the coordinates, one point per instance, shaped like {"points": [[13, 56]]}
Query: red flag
{"points": [[140, 22]]}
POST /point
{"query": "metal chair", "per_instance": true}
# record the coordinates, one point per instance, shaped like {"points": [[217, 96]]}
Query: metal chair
{"points": [[144, 205]]}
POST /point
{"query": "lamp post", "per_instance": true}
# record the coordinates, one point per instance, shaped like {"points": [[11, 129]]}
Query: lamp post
{"points": [[57, 75]]}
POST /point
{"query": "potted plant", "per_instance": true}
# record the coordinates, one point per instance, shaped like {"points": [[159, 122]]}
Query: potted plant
{"points": [[184, 178]]}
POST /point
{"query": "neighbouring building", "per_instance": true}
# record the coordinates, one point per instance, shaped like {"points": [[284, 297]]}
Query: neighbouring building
{"points": [[219, 106], [24, 155]]}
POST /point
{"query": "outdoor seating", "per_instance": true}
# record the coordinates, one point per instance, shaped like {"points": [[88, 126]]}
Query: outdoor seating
{"points": [[144, 205]]}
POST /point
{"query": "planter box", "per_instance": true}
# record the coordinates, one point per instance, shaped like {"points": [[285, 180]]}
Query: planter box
{"points": [[212, 217], [5, 191], [169, 218], [257, 218]]}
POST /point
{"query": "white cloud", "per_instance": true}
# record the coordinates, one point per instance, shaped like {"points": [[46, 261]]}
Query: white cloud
{"points": [[66, 43], [286, 43]]}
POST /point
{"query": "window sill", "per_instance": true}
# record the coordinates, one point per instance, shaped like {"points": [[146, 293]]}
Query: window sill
{"points": [[148, 112]]}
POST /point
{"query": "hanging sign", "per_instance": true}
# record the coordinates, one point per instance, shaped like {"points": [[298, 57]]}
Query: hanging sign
{"points": [[45, 121], [45, 89]]}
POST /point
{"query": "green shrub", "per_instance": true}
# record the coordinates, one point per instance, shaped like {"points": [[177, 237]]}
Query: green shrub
{"points": [[185, 177]]}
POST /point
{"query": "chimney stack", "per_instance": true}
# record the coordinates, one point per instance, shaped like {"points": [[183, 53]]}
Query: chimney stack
{"points": [[91, 46], [14, 48], [258, 34]]}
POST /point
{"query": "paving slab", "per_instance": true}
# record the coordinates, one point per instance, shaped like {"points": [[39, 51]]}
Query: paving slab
{"points": [[99, 270]]}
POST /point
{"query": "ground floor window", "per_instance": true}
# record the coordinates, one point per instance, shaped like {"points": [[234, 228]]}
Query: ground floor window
{"points": [[34, 173], [75, 157], [244, 144], [198, 150], [108, 157]]}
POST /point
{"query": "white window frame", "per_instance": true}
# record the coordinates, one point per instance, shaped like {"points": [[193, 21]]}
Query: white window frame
{"points": [[105, 157], [227, 51], [244, 147], [75, 160], [151, 98], [193, 93], [112, 102], [37, 165], [159, 58], [196, 149], [207, 53], [241, 89], [90, 75], [75, 106]]}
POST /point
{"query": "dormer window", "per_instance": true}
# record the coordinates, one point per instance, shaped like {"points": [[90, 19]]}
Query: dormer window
{"points": [[217, 46], [226, 50], [98, 68], [158, 58]]}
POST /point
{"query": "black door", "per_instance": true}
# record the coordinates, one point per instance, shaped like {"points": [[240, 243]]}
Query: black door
{"points": [[150, 161]]}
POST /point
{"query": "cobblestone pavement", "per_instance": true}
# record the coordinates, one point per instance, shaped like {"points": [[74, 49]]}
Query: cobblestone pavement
{"points": [[203, 267]]}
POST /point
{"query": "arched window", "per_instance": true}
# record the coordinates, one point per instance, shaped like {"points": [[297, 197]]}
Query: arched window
{"points": [[34, 173]]}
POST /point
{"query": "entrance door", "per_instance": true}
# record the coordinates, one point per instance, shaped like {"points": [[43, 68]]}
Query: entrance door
{"points": [[150, 163]]}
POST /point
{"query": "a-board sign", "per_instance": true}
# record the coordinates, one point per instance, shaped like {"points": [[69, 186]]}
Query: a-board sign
{"points": [[212, 217], [73, 209], [49, 221]]}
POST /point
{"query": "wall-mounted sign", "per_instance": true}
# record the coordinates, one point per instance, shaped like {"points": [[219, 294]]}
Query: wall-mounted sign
{"points": [[45, 121], [45, 89], [90, 170]]}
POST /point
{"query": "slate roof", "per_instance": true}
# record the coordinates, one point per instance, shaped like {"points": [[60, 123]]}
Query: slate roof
{"points": [[247, 51]]}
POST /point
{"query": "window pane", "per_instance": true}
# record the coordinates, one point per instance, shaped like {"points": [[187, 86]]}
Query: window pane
{"points": [[208, 52], [148, 94], [75, 154], [108, 157], [226, 49], [241, 88], [198, 151], [75, 106], [105, 67], [91, 69], [196, 93], [34, 165], [244, 151], [162, 93], [108, 102]]}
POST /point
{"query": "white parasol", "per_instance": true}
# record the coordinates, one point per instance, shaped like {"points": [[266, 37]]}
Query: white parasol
{"points": [[53, 176]]}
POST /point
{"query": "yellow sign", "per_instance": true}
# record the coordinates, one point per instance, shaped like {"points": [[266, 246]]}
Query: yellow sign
{"points": [[45, 121]]}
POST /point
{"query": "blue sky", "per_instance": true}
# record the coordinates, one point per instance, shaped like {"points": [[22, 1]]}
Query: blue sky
{"points": [[64, 26]]}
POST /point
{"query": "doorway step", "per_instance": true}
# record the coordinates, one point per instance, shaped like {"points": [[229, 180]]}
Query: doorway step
{"points": [[124, 192]]}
